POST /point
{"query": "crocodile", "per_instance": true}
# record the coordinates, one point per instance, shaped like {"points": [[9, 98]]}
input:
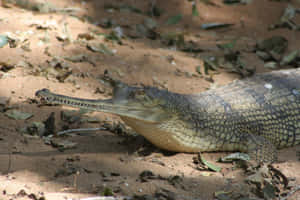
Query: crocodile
{"points": [[256, 115]]}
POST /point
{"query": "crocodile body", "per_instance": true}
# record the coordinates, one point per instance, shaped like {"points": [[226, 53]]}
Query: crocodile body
{"points": [[254, 115]]}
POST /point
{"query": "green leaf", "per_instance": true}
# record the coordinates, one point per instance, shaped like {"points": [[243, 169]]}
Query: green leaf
{"points": [[105, 50], [198, 69], [111, 36], [231, 1], [210, 63], [291, 57], [208, 2], [107, 192], [18, 115], [209, 165], [229, 45], [234, 157], [271, 65], [155, 11], [222, 195], [269, 191], [100, 48], [174, 19], [214, 25], [130, 8], [195, 12], [3, 40], [206, 68]]}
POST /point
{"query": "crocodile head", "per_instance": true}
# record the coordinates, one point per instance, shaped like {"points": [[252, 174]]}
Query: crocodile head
{"points": [[149, 111], [141, 103]]}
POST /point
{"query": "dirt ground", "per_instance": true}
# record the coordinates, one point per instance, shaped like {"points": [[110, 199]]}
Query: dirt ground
{"points": [[49, 50]]}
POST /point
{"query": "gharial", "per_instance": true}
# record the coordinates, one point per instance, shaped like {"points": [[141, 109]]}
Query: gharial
{"points": [[254, 115]]}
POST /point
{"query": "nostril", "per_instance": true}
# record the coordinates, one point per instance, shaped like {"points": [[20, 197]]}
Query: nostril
{"points": [[37, 93]]}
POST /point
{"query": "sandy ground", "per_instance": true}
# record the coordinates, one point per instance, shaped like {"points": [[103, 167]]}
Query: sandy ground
{"points": [[104, 162]]}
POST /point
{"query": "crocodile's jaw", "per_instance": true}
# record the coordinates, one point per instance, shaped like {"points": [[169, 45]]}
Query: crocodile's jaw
{"points": [[123, 107], [157, 135]]}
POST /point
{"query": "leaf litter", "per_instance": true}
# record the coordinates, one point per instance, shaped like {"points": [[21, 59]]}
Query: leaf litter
{"points": [[3, 40], [231, 56], [40, 6], [18, 115], [174, 19]]}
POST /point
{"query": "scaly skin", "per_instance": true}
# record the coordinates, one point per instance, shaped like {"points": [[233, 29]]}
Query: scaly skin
{"points": [[255, 115]]}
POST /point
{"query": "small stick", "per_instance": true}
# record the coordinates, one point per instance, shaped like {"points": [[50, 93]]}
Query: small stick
{"points": [[152, 7], [9, 163], [107, 198], [79, 130], [75, 180], [67, 9], [294, 190]]}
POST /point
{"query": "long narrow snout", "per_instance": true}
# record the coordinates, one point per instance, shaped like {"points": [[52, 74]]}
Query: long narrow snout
{"points": [[121, 108], [48, 97]]}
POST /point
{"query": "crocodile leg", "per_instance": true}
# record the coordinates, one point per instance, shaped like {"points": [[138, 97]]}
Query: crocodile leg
{"points": [[259, 148]]}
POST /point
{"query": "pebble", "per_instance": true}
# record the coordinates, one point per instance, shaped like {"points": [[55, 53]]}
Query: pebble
{"points": [[268, 86], [77, 86]]}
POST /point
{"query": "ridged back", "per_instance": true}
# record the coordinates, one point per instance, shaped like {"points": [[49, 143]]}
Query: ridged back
{"points": [[266, 104]]}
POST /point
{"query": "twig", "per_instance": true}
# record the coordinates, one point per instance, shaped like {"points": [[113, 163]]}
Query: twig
{"points": [[107, 198], [153, 3], [7, 129], [75, 179], [67, 9], [294, 190], [79, 130], [279, 173], [9, 163]]}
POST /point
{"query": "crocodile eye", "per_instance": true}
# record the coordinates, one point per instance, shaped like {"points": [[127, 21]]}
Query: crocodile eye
{"points": [[140, 92], [45, 90]]}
